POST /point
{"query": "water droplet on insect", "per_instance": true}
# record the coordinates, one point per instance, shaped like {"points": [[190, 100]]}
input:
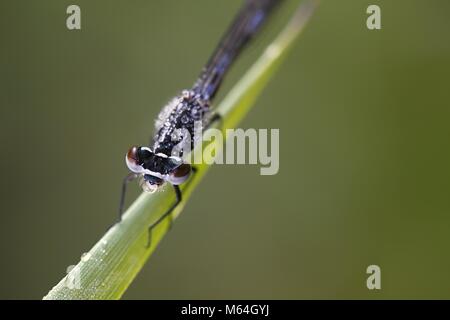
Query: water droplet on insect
{"points": [[184, 119], [196, 114], [180, 106]]}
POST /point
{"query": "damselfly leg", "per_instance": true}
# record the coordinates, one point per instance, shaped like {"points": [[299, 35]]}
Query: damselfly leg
{"points": [[130, 177], [178, 196], [168, 213], [216, 118]]}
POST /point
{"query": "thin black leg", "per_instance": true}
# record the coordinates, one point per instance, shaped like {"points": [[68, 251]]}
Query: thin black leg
{"points": [[126, 180], [216, 117], [178, 195], [167, 213]]}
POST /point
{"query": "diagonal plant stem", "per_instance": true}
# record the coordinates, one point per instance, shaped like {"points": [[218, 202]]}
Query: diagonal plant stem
{"points": [[106, 271]]}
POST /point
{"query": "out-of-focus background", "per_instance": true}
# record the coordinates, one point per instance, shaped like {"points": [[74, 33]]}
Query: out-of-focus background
{"points": [[364, 166]]}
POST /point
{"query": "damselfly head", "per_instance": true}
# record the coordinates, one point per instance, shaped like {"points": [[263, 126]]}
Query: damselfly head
{"points": [[157, 168]]}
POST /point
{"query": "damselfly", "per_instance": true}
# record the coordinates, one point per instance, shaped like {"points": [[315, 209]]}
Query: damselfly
{"points": [[156, 164]]}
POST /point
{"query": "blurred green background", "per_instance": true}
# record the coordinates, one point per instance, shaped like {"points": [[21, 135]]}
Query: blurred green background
{"points": [[364, 166]]}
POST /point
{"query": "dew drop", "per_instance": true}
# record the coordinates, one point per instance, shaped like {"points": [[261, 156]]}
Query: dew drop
{"points": [[184, 119], [85, 256]]}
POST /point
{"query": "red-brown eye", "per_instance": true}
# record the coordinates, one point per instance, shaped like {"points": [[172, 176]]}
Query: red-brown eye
{"points": [[180, 174], [132, 160]]}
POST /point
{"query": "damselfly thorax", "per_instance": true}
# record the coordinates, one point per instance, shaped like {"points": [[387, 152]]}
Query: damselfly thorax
{"points": [[176, 123]]}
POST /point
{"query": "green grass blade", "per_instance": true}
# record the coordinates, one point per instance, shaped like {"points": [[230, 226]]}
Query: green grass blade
{"points": [[107, 270]]}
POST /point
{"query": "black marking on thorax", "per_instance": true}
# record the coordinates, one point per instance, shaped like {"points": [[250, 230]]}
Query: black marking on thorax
{"points": [[159, 164]]}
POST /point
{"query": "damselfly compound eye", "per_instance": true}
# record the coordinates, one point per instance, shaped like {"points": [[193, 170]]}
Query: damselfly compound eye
{"points": [[132, 160], [180, 174]]}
